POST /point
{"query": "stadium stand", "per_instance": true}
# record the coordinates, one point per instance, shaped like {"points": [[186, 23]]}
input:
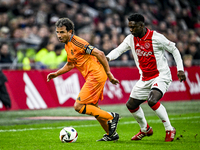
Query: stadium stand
{"points": [[27, 27]]}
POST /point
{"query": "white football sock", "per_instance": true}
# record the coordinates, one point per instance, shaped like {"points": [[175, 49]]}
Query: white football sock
{"points": [[162, 114], [139, 117]]}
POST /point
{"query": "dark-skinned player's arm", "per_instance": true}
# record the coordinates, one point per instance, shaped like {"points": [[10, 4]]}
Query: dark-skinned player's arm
{"points": [[179, 63], [102, 58], [66, 68]]}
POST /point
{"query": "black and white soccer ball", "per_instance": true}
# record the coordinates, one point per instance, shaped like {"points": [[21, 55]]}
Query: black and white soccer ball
{"points": [[68, 135]]}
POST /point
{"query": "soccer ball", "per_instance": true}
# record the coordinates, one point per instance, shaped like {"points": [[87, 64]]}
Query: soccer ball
{"points": [[68, 135]]}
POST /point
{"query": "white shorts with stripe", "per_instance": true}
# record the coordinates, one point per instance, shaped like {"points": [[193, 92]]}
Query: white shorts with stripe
{"points": [[142, 88]]}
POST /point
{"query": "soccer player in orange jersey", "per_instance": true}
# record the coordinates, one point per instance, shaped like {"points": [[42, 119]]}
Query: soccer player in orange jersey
{"points": [[94, 67]]}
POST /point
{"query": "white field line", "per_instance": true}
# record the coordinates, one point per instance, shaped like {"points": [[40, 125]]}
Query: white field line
{"points": [[80, 126]]}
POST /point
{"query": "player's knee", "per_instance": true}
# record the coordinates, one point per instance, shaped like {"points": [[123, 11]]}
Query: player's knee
{"points": [[128, 105], [154, 97], [151, 102], [77, 107]]}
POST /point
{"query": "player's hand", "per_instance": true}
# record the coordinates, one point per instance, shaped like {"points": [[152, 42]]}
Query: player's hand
{"points": [[181, 76], [51, 76], [108, 59], [112, 79]]}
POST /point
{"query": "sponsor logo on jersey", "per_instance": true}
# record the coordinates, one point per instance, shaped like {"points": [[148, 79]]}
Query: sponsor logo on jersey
{"points": [[140, 52]]}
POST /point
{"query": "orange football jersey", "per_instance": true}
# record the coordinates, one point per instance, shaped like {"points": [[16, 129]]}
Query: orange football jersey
{"points": [[87, 64]]}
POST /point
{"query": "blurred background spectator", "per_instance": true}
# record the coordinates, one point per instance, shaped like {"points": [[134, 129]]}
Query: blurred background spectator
{"points": [[27, 27], [5, 57], [187, 60]]}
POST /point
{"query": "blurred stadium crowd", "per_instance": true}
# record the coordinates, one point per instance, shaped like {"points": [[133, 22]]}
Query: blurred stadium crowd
{"points": [[28, 39]]}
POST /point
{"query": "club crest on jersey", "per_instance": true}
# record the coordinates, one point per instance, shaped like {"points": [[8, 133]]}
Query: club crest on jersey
{"points": [[147, 45]]}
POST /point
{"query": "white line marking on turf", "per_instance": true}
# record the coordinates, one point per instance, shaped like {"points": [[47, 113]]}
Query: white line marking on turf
{"points": [[79, 126], [58, 118]]}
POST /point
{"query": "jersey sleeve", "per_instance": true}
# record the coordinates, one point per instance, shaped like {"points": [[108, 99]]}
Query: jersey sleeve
{"points": [[123, 47], [80, 44], [170, 47], [84, 46]]}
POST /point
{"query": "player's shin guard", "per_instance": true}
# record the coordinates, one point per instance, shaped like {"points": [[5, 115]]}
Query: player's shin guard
{"points": [[101, 115], [138, 114], [96, 112]]}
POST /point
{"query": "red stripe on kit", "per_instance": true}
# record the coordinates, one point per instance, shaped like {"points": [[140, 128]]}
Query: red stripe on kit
{"points": [[134, 110], [155, 107]]}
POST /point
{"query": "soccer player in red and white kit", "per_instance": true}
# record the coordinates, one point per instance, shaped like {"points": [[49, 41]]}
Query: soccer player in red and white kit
{"points": [[148, 48]]}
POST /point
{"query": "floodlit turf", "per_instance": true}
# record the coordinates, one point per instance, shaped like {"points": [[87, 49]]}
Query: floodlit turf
{"points": [[18, 134]]}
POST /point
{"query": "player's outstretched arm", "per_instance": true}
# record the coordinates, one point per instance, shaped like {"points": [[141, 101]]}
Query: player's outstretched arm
{"points": [[102, 58], [67, 67], [112, 79]]}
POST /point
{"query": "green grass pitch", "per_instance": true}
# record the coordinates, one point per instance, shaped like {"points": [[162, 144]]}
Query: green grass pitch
{"points": [[21, 134]]}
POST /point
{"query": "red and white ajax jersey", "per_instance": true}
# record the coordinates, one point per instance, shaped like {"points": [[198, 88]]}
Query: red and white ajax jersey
{"points": [[148, 53]]}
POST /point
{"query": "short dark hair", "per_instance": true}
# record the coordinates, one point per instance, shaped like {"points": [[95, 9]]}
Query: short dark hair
{"points": [[136, 17], [65, 22]]}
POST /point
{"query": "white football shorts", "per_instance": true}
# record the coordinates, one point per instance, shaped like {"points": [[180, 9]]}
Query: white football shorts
{"points": [[142, 89]]}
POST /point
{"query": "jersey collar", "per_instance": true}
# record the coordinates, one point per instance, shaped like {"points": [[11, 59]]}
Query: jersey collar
{"points": [[71, 37], [146, 35]]}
